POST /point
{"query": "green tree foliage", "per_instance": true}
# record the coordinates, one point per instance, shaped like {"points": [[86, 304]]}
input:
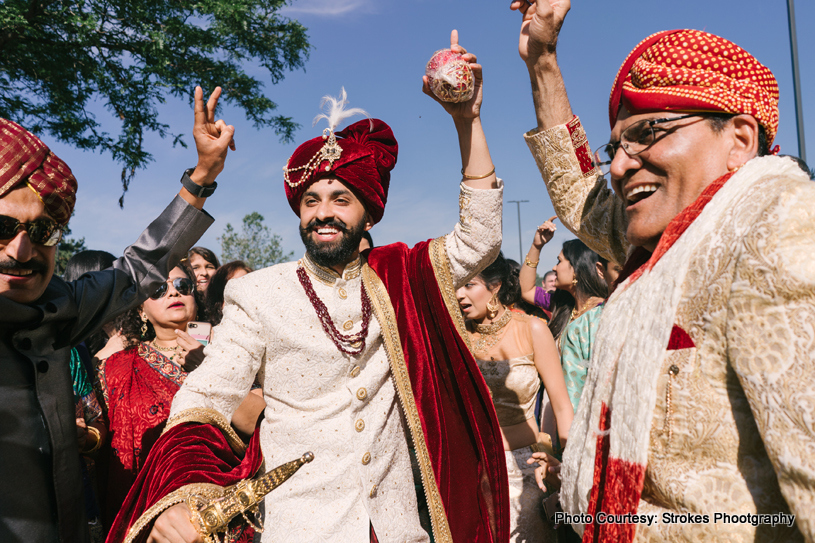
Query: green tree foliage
{"points": [[255, 244], [66, 249], [57, 57]]}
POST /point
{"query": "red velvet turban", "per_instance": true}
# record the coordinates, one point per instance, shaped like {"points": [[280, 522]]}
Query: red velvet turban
{"points": [[25, 158], [368, 155], [689, 71]]}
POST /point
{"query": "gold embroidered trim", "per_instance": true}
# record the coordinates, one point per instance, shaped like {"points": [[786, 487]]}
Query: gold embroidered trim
{"points": [[441, 267], [464, 216], [329, 276], [393, 348], [208, 416], [206, 490]]}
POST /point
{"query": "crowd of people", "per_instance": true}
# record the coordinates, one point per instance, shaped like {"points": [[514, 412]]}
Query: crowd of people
{"points": [[126, 374], [660, 374]]}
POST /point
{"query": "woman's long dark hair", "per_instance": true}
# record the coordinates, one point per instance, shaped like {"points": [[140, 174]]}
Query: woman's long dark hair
{"points": [[500, 271], [216, 287], [131, 322], [589, 283]]}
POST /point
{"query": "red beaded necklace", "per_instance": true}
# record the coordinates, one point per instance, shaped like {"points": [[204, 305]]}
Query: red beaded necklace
{"points": [[355, 342]]}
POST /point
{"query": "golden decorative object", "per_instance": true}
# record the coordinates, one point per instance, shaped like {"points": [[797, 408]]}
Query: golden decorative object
{"points": [[212, 514]]}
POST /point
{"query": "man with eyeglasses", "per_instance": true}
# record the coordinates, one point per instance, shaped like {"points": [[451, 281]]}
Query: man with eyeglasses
{"points": [[696, 422], [42, 317]]}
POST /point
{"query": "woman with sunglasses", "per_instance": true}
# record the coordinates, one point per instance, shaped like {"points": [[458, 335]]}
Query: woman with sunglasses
{"points": [[137, 384]]}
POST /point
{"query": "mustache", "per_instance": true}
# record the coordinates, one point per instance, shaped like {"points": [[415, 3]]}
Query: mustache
{"points": [[10, 263], [336, 223]]}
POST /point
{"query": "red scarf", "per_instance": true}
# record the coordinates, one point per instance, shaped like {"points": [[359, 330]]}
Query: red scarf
{"points": [[138, 387]]}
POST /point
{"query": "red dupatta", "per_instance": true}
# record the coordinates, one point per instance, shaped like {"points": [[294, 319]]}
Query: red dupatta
{"points": [[138, 386], [187, 455], [457, 415]]}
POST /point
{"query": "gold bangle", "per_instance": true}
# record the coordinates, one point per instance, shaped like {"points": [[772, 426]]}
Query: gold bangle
{"points": [[531, 263], [492, 171], [98, 444]]}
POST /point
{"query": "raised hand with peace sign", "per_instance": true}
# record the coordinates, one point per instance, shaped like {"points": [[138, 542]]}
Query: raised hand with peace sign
{"points": [[212, 140]]}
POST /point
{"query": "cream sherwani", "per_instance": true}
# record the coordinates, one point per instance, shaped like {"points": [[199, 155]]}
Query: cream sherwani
{"points": [[342, 408], [739, 435]]}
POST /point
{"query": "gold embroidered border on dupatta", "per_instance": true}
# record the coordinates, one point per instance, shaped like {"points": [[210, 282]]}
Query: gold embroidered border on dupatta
{"points": [[207, 491], [441, 267], [393, 348]]}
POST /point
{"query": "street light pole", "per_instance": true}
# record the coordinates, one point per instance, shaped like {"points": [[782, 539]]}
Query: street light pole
{"points": [[520, 241], [796, 80]]}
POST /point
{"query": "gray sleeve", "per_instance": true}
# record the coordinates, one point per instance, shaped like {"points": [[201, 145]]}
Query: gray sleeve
{"points": [[102, 296]]}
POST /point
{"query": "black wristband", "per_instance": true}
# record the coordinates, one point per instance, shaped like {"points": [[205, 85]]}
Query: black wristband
{"points": [[194, 188]]}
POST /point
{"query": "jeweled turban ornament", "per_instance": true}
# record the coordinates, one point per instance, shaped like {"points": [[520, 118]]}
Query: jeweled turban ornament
{"points": [[361, 156]]}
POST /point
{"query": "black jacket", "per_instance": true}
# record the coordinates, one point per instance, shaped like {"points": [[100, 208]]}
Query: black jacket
{"points": [[41, 497]]}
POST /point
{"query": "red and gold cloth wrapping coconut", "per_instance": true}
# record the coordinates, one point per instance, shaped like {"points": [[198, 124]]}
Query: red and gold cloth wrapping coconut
{"points": [[25, 158], [369, 152], [691, 70]]}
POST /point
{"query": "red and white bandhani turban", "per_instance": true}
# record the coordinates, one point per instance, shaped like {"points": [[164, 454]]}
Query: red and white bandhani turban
{"points": [[366, 155], [24, 158], [691, 70]]}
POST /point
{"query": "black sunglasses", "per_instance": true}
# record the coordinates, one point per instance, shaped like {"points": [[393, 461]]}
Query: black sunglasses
{"points": [[41, 231], [181, 284]]}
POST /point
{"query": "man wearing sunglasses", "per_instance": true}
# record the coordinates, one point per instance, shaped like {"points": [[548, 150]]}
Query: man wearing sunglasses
{"points": [[42, 317], [699, 394]]}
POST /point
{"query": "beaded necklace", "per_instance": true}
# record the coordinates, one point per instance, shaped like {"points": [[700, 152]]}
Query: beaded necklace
{"points": [[176, 350], [355, 342]]}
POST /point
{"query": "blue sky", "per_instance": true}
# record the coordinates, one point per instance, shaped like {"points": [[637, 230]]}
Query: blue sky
{"points": [[378, 51]]}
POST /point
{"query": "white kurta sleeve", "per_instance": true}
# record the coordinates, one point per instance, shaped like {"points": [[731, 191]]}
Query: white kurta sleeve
{"points": [[476, 239], [231, 360]]}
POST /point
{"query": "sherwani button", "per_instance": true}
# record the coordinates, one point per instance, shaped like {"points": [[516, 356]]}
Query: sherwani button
{"points": [[359, 425], [347, 325], [366, 459], [354, 371], [362, 394], [373, 491], [342, 293]]}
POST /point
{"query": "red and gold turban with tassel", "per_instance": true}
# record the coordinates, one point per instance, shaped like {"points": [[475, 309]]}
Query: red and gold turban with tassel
{"points": [[690, 71], [24, 158]]}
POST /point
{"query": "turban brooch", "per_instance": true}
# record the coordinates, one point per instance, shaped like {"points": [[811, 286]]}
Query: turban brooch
{"points": [[361, 156]]}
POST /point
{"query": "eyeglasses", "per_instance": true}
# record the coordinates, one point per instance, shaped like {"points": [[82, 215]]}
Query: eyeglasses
{"points": [[634, 140], [41, 231], [181, 284]]}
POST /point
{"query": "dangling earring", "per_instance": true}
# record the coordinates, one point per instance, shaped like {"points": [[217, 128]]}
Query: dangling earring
{"points": [[143, 326], [574, 282], [492, 307]]}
